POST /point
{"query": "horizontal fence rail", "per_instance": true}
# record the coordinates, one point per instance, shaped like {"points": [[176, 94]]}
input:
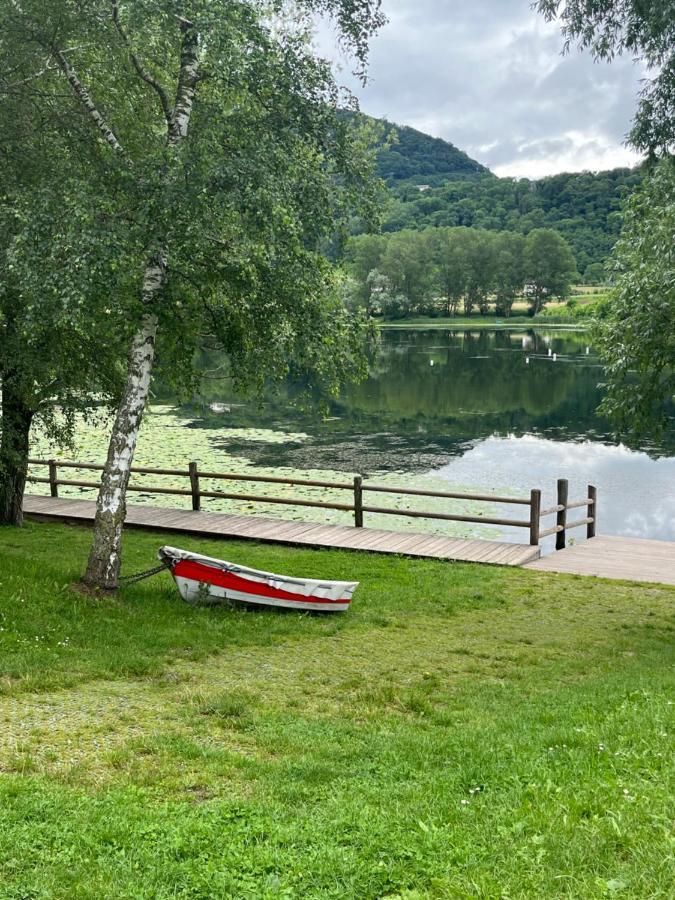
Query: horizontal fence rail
{"points": [[357, 506]]}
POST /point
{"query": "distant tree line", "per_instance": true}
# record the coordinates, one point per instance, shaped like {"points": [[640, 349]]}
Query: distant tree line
{"points": [[443, 271], [585, 208]]}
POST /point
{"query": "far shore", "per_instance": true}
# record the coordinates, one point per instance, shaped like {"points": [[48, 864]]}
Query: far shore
{"points": [[492, 324]]}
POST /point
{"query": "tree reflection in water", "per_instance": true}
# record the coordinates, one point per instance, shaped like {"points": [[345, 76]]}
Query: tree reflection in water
{"points": [[465, 405]]}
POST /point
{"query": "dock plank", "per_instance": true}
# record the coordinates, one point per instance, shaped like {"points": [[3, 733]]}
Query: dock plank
{"points": [[630, 559], [283, 531]]}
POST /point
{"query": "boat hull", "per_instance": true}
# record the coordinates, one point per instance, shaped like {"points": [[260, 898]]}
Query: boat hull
{"points": [[203, 580]]}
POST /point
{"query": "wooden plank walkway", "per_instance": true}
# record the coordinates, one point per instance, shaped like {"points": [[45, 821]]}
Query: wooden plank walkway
{"points": [[280, 531], [630, 559]]}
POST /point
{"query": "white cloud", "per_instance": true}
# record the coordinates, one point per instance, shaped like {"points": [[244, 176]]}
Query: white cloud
{"points": [[489, 76], [576, 152]]}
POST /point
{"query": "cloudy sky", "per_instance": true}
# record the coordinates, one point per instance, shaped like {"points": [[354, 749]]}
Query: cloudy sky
{"points": [[488, 76]]}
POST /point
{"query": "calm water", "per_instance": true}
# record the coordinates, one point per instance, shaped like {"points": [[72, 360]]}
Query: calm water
{"points": [[482, 410], [489, 409]]}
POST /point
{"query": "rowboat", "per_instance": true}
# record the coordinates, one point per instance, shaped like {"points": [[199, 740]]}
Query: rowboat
{"points": [[202, 579]]}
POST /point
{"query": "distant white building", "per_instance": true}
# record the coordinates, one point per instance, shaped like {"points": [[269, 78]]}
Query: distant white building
{"points": [[423, 187]]}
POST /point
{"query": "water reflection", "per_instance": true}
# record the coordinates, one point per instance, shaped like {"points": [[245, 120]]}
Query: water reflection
{"points": [[637, 494], [502, 409], [480, 383]]}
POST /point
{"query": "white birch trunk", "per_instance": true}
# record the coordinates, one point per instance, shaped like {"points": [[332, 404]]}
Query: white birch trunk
{"points": [[105, 558], [187, 85], [84, 98]]}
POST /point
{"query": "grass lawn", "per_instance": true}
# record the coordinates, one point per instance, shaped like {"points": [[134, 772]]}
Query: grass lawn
{"points": [[464, 731]]}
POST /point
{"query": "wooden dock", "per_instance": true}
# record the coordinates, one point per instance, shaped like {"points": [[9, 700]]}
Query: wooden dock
{"points": [[284, 531], [629, 559]]}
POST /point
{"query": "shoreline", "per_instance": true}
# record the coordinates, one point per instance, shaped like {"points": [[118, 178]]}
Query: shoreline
{"points": [[451, 325]]}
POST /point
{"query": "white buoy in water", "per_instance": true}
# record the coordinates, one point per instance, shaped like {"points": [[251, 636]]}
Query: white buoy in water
{"points": [[555, 357], [431, 362], [527, 360], [550, 352], [588, 351]]}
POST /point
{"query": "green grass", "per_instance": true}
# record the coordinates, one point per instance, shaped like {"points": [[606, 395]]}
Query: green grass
{"points": [[464, 731], [590, 298]]}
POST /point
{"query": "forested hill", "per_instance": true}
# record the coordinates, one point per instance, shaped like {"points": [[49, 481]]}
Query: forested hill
{"points": [[411, 155], [433, 183], [584, 207]]}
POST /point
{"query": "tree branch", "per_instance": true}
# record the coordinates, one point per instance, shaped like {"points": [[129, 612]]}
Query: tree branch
{"points": [[16, 84], [187, 83], [82, 94], [141, 71]]}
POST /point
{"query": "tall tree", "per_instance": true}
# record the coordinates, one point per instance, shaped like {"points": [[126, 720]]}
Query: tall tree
{"points": [[59, 347], [407, 264], [636, 334], [481, 270], [510, 270], [222, 125], [364, 257], [549, 267], [451, 267], [60, 338]]}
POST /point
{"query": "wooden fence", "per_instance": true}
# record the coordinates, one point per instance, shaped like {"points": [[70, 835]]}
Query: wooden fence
{"points": [[358, 505]]}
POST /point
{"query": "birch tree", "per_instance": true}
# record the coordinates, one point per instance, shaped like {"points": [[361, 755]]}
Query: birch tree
{"points": [[221, 125]]}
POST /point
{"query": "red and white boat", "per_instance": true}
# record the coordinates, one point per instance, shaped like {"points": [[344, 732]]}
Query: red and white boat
{"points": [[202, 579]]}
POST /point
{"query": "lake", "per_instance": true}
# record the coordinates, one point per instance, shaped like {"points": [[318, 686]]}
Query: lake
{"points": [[483, 409]]}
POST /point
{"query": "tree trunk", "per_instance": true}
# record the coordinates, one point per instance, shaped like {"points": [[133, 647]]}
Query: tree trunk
{"points": [[16, 422], [105, 558]]}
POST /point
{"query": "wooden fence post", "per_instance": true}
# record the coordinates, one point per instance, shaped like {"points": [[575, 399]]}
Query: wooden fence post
{"points": [[535, 517], [194, 484], [591, 528], [563, 497], [358, 501], [53, 478]]}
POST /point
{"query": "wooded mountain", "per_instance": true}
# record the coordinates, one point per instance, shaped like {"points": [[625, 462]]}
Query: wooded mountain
{"points": [[411, 155], [433, 183]]}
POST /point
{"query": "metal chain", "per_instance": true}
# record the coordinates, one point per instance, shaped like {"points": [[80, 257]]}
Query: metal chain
{"points": [[141, 576]]}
